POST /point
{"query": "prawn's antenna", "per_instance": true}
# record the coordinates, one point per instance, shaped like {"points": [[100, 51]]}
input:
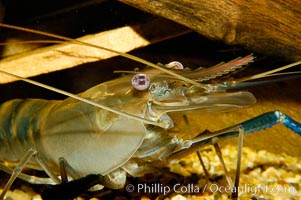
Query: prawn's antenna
{"points": [[135, 58], [127, 115], [240, 85], [269, 73], [246, 81]]}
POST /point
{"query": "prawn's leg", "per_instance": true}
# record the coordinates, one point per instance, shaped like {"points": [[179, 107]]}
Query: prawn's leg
{"points": [[220, 156], [63, 171], [114, 180], [203, 165], [38, 180], [187, 127], [238, 163], [260, 122], [16, 172], [266, 120], [48, 170], [70, 170], [28, 178], [18, 169], [66, 168], [69, 190], [270, 119]]}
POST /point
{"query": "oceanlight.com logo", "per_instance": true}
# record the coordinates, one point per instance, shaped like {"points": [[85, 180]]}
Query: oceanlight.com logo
{"points": [[158, 188], [253, 189]]}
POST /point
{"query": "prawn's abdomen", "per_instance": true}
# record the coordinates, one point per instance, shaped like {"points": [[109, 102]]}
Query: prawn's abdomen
{"points": [[20, 126], [92, 140]]}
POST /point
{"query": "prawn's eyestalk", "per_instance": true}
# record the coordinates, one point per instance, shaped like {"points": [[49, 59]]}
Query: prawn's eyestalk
{"points": [[140, 82]]}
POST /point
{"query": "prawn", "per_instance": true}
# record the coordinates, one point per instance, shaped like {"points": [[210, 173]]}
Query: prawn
{"points": [[130, 129]]}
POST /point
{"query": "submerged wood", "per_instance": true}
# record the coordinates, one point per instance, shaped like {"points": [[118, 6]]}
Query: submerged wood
{"points": [[271, 27]]}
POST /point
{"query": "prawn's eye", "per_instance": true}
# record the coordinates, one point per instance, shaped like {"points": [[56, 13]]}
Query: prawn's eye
{"points": [[140, 82]]}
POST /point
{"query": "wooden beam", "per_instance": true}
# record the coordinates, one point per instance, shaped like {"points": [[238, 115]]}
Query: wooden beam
{"points": [[68, 55], [271, 27]]}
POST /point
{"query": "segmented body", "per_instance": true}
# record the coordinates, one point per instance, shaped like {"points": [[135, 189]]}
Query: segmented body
{"points": [[96, 140]]}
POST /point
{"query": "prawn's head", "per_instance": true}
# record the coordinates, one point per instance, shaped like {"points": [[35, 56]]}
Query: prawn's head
{"points": [[204, 89], [166, 93]]}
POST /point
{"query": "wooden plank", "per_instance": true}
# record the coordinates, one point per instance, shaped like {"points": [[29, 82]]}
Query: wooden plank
{"points": [[271, 27], [67, 55]]}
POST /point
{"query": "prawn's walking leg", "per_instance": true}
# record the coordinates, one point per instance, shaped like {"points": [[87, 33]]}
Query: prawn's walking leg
{"points": [[32, 152], [220, 156], [63, 171], [260, 122], [68, 190], [28, 178], [203, 165], [238, 163], [18, 170]]}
